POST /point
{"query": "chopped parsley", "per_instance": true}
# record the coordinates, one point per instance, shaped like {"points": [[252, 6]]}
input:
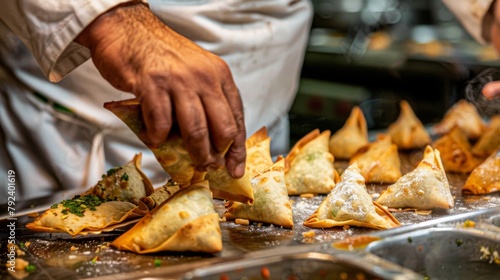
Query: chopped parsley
{"points": [[157, 262], [459, 242], [410, 240], [79, 204], [113, 171], [124, 177], [30, 268]]}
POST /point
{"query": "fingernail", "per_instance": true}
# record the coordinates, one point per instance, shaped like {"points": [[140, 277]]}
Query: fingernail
{"points": [[239, 170]]}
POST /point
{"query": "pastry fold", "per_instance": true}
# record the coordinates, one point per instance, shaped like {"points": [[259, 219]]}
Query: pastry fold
{"points": [[379, 161], [490, 140], [351, 137], [115, 201], [258, 152], [350, 204], [175, 160], [408, 132], [463, 115], [426, 187], [456, 152], [186, 221], [271, 204], [485, 178], [309, 165]]}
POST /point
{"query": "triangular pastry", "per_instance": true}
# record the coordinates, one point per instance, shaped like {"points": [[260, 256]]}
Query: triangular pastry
{"points": [[184, 222], [490, 140], [408, 132], [113, 202], [271, 204], [352, 136], [379, 161], [258, 152], [350, 204], [456, 152], [309, 165], [485, 178], [124, 183], [426, 187], [175, 160], [464, 115]]}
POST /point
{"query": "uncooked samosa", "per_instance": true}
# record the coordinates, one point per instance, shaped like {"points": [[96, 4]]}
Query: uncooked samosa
{"points": [[175, 160], [456, 152], [186, 221], [352, 136], [408, 132], [271, 204], [379, 161], [426, 187], [485, 178], [258, 152], [463, 115], [309, 165], [350, 204]]}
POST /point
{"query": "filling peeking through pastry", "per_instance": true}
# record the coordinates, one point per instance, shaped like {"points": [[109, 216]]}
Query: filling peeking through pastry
{"points": [[186, 221], [309, 165], [258, 152], [350, 204], [175, 160], [426, 187], [352, 136], [408, 132], [271, 204], [113, 202], [379, 161]]}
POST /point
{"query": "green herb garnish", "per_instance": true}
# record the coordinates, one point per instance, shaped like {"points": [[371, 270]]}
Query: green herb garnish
{"points": [[459, 242], [79, 204], [113, 171], [410, 240], [30, 268], [157, 262], [124, 177]]}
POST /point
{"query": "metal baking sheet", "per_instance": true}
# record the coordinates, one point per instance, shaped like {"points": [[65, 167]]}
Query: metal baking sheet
{"points": [[60, 256]]}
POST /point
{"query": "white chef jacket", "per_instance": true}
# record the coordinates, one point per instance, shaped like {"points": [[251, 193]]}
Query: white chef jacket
{"points": [[51, 149]]}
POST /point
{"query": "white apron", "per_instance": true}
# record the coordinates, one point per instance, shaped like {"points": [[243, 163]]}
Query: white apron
{"points": [[52, 149]]}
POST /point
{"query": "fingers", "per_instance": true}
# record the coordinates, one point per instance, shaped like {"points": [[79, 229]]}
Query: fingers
{"points": [[491, 90], [192, 121], [236, 155], [157, 113]]}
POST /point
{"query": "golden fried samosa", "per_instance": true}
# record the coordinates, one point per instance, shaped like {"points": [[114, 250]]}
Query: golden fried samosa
{"points": [[309, 165], [464, 115], [87, 214], [258, 152], [350, 204], [456, 152], [408, 132], [271, 204], [379, 161], [175, 160], [124, 183], [426, 187], [186, 221], [485, 178], [490, 140], [352, 136]]}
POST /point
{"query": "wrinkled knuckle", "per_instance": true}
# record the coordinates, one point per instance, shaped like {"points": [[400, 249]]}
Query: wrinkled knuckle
{"points": [[196, 134], [229, 133]]}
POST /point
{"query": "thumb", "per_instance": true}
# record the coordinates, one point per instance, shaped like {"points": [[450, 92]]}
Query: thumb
{"points": [[491, 90]]}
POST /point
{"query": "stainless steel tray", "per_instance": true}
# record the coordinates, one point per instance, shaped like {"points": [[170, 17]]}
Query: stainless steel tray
{"points": [[248, 248]]}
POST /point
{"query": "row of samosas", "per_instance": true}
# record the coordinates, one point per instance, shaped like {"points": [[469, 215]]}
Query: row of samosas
{"points": [[467, 144]]}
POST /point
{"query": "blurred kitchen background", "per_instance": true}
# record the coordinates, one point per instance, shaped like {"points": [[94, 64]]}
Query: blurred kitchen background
{"points": [[373, 53]]}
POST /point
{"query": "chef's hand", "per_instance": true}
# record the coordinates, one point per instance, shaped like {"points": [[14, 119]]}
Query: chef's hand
{"points": [[174, 78], [491, 90]]}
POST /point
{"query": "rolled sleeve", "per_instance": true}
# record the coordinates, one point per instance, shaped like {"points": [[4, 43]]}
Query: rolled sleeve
{"points": [[473, 14], [48, 28]]}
